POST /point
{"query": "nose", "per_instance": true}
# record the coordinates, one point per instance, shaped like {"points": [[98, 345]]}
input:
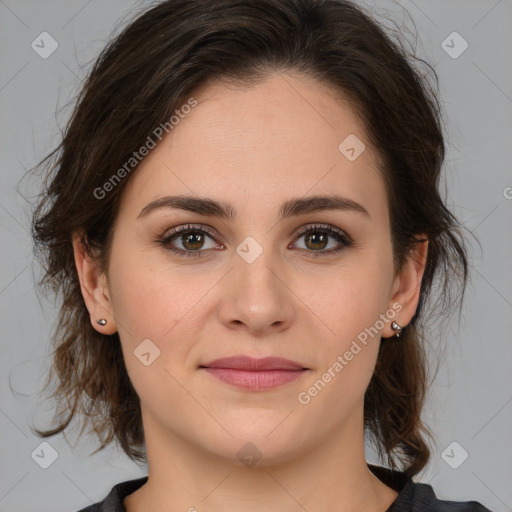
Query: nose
{"points": [[256, 298]]}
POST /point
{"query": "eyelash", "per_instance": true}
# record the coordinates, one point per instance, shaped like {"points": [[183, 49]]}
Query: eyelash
{"points": [[166, 239]]}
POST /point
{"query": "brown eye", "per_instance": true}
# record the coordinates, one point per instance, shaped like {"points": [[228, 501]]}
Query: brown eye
{"points": [[316, 239], [192, 240]]}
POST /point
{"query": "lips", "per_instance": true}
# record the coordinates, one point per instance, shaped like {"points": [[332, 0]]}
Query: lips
{"points": [[254, 374], [253, 364]]}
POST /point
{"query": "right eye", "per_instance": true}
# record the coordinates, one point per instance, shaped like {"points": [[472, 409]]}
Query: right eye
{"points": [[191, 238]]}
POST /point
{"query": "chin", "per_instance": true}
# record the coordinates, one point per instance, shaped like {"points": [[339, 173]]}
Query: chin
{"points": [[266, 443]]}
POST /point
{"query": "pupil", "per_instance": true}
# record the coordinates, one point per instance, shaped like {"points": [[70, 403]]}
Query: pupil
{"points": [[189, 240], [321, 239]]}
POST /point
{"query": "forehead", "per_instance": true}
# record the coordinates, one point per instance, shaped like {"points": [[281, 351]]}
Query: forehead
{"points": [[277, 139]]}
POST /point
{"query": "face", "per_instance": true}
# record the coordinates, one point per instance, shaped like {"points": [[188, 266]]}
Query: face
{"points": [[313, 285]]}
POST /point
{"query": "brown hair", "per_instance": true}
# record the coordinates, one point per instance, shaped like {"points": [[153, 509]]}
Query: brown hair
{"points": [[141, 77]]}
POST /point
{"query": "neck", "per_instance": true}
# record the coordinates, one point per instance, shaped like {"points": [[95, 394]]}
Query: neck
{"points": [[331, 476]]}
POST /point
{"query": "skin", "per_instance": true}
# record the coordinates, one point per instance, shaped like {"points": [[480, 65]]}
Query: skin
{"points": [[255, 148]]}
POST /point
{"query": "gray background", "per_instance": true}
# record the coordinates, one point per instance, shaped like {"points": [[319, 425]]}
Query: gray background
{"points": [[471, 400]]}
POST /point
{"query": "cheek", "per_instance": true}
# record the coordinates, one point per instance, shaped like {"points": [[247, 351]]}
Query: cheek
{"points": [[149, 298], [161, 303], [348, 350], [352, 313], [348, 306], [138, 303], [149, 320], [351, 299]]}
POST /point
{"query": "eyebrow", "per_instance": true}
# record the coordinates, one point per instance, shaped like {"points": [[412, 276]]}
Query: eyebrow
{"points": [[290, 208]]}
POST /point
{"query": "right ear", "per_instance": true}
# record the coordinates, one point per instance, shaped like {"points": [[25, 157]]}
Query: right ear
{"points": [[94, 287]]}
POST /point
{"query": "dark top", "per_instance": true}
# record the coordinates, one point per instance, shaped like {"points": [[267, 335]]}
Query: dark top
{"points": [[412, 497]]}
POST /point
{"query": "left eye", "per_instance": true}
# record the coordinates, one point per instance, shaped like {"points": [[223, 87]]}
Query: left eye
{"points": [[317, 236], [193, 239]]}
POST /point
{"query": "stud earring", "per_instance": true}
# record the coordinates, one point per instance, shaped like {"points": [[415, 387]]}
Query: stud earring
{"points": [[397, 328], [101, 321]]}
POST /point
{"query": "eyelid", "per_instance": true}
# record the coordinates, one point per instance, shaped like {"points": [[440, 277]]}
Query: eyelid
{"points": [[344, 241], [213, 233], [315, 225], [189, 227]]}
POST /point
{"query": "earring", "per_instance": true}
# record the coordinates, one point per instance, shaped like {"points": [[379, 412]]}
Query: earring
{"points": [[101, 321], [397, 328]]}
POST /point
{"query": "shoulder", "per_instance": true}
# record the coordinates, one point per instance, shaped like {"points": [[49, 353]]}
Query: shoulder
{"points": [[114, 500], [92, 508], [420, 497]]}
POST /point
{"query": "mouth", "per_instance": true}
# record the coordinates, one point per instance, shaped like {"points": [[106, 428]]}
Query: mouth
{"points": [[255, 374]]}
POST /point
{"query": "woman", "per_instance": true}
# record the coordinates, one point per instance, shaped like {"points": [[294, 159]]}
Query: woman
{"points": [[245, 225]]}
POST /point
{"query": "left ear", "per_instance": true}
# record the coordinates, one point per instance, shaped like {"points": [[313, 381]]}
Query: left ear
{"points": [[407, 285]]}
